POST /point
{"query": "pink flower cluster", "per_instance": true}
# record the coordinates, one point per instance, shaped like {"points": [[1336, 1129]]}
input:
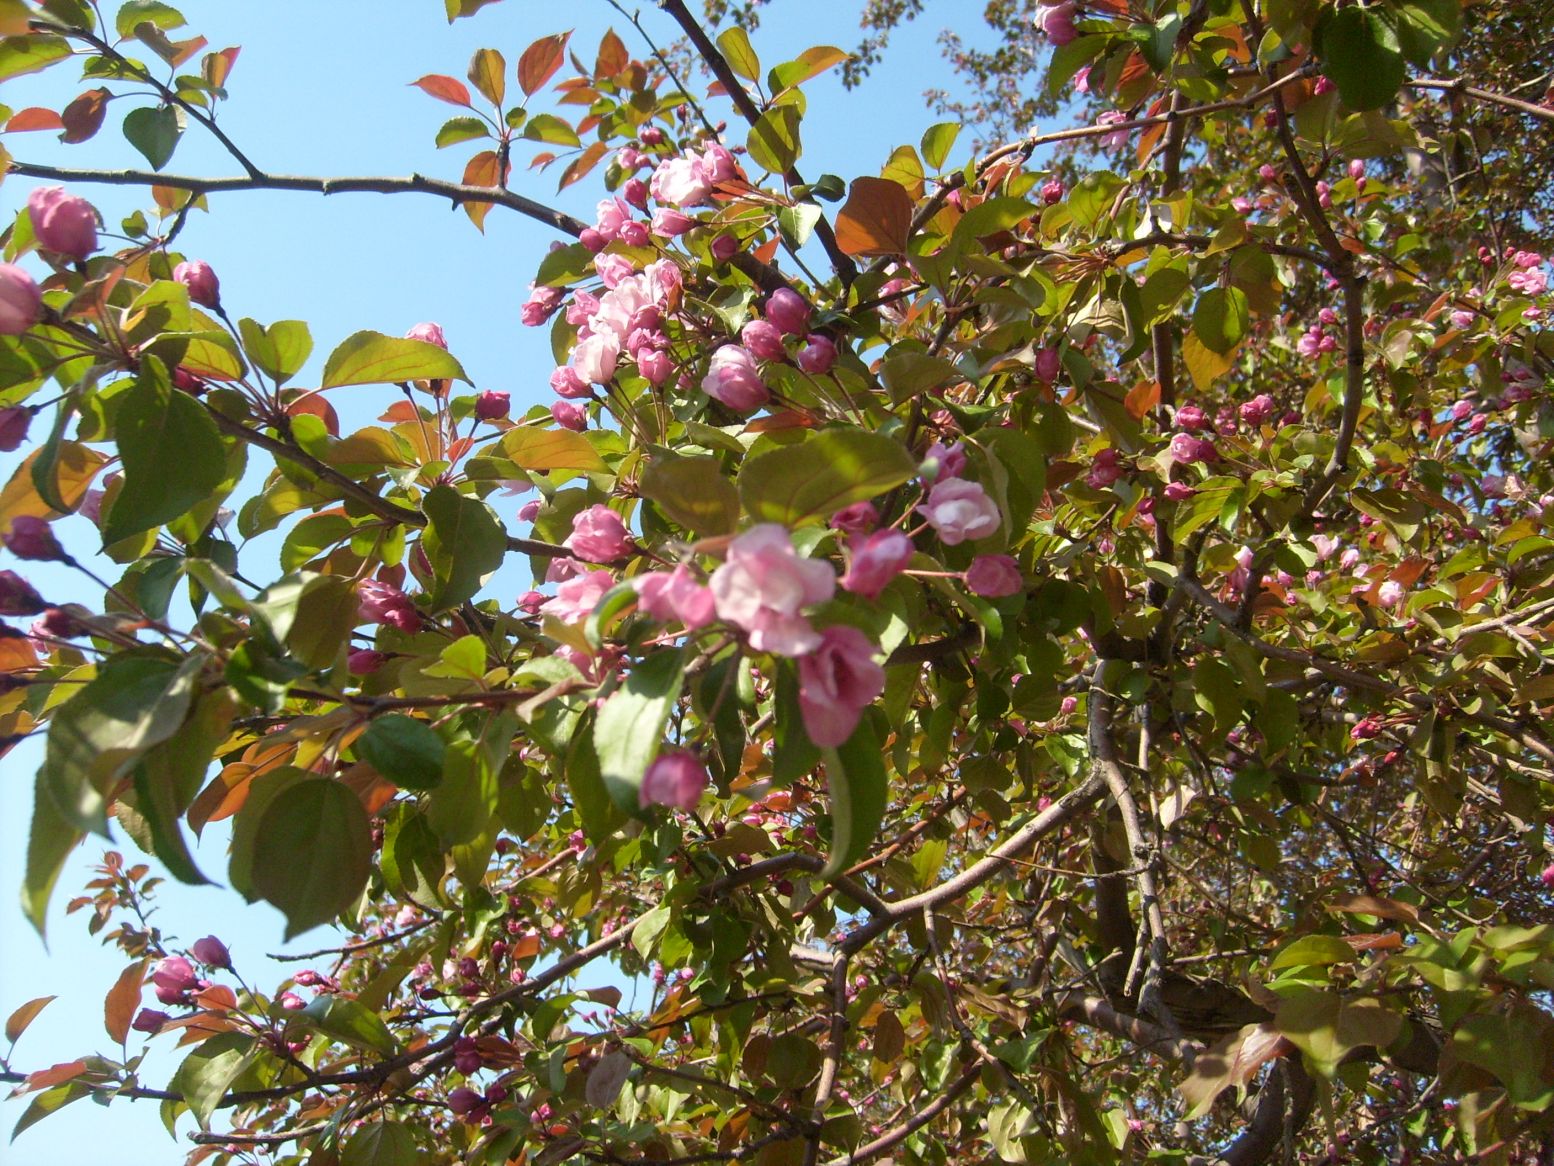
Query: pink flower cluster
{"points": [[1528, 276], [689, 179]]}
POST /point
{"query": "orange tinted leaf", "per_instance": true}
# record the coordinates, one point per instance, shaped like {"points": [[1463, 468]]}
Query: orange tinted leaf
{"points": [[582, 165], [483, 170], [1141, 398], [488, 73], [53, 1075], [33, 118], [16, 653], [767, 249], [18, 1021], [123, 999], [217, 67], [1374, 905], [876, 218], [83, 117], [317, 406], [448, 89], [184, 49], [810, 64], [1375, 941], [540, 62], [613, 56]]}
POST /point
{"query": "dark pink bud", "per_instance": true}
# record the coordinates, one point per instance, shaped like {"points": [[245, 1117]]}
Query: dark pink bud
{"points": [[652, 136], [569, 415], [635, 192], [876, 560], [466, 1055], [762, 338], [382, 603], [187, 382], [675, 778], [174, 979], [1051, 191], [787, 310], [429, 332], [465, 1102], [17, 596], [21, 301], [211, 952], [200, 278], [149, 1021], [724, 248], [817, 356], [365, 661], [593, 239], [858, 519], [31, 538], [62, 222], [1547, 877], [492, 405]]}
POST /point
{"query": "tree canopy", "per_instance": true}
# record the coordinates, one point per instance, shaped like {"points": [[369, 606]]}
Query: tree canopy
{"points": [[1037, 657]]}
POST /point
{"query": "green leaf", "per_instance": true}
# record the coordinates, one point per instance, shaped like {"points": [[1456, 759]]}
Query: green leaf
{"points": [[381, 1143], [154, 131], [312, 852], [547, 127], [461, 129], [1314, 951], [30, 54], [48, 1102], [488, 73], [1359, 51], [346, 1020], [692, 492], [774, 139], [169, 776], [736, 49], [937, 142], [461, 8], [208, 1072], [134, 12], [794, 754], [564, 265], [815, 479], [464, 542], [172, 453], [855, 776], [412, 860], [97, 736], [49, 844], [371, 358], [797, 223], [1327, 1028], [1221, 318], [1427, 26], [538, 450], [280, 350], [591, 800], [405, 751], [991, 217], [630, 727]]}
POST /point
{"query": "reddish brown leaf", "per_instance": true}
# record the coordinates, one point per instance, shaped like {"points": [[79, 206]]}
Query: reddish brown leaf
{"points": [[1375, 941], [483, 170], [18, 1021], [613, 56], [581, 165], [17, 653], [184, 49], [83, 117], [122, 1001], [317, 406], [1374, 905], [767, 249], [33, 118], [540, 61], [53, 1075], [449, 89], [876, 218]]}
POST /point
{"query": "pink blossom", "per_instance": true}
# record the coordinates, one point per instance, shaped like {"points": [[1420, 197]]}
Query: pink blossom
{"points": [[635, 192], [763, 339], [1105, 470], [599, 536], [567, 383], [32, 538], [596, 358], [994, 576], [576, 598], [876, 559], [818, 355], [676, 595], [1052, 192], [837, 681], [1258, 410], [943, 461], [1529, 281], [14, 423], [541, 305], [1117, 137], [1178, 491], [21, 301], [959, 510], [382, 603], [1547, 877], [787, 310], [200, 278], [858, 519], [429, 332], [1057, 21], [174, 980], [681, 182], [675, 779], [531, 601], [613, 269], [762, 585], [492, 405], [1391, 593], [724, 247], [530, 510], [611, 215], [1190, 450], [655, 365], [733, 379], [63, 222]]}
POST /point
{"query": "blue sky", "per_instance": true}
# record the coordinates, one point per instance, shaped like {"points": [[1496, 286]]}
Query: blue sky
{"points": [[322, 89]]}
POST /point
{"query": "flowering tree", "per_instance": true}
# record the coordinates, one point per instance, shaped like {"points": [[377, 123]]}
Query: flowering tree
{"points": [[1044, 660]]}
